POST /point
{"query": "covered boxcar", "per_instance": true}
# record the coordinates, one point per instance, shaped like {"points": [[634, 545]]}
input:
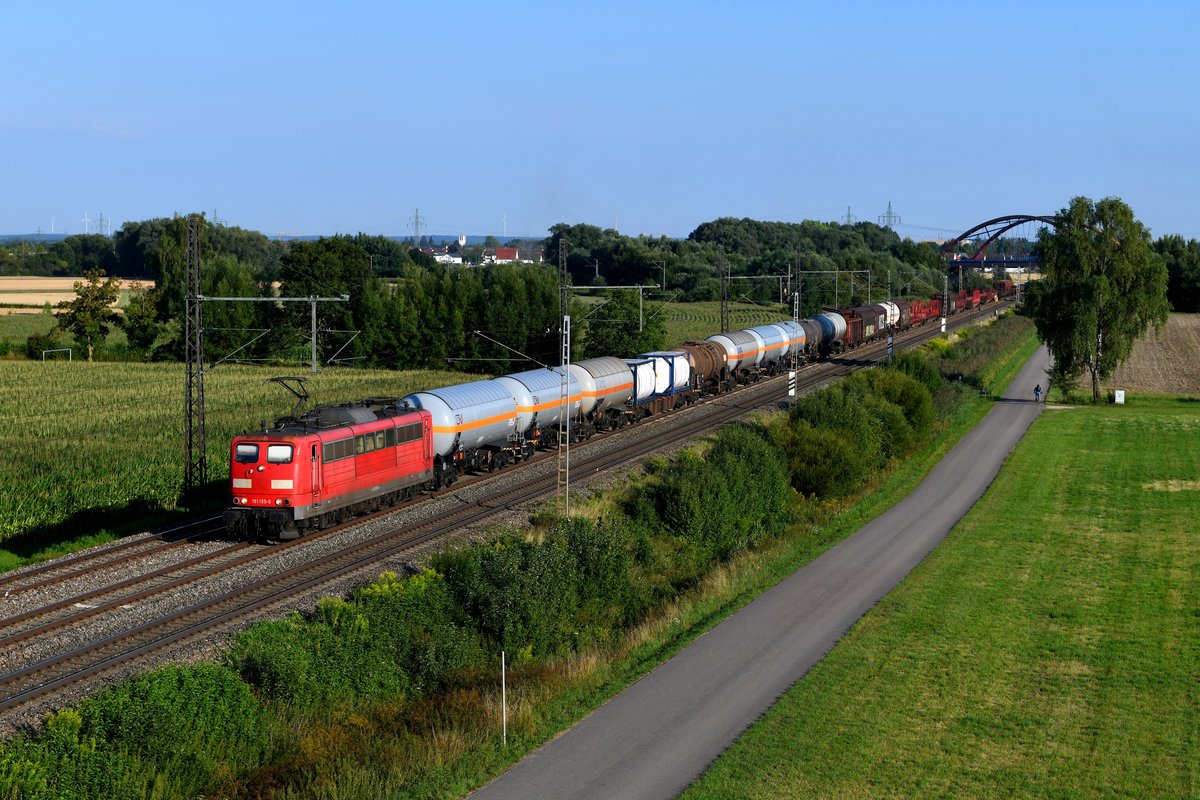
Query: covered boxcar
{"points": [[854, 329], [874, 320]]}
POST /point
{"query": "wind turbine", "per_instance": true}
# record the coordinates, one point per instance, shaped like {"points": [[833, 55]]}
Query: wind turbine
{"points": [[86, 222]]}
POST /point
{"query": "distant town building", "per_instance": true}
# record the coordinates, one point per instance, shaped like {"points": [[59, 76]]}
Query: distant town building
{"points": [[511, 255]]}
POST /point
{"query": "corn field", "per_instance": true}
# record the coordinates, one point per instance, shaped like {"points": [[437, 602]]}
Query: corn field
{"points": [[78, 437], [690, 321]]}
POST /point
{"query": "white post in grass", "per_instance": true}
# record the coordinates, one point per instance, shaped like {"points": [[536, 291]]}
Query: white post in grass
{"points": [[503, 699]]}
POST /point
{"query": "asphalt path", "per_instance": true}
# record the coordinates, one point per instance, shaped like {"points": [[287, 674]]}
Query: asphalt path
{"points": [[656, 737]]}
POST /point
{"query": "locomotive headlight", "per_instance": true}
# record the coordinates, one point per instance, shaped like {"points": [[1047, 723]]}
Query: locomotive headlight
{"points": [[235, 501], [278, 501], [243, 501]]}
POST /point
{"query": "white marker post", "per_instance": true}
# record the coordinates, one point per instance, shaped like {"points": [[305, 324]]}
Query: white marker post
{"points": [[791, 384], [503, 700]]}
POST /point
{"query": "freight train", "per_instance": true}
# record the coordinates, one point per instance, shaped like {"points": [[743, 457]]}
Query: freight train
{"points": [[334, 462]]}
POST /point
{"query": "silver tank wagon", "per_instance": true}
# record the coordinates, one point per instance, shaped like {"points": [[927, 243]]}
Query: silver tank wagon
{"points": [[468, 416], [538, 395], [741, 348], [606, 383]]}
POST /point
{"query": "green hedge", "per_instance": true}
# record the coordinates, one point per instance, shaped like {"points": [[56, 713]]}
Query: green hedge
{"points": [[837, 438], [392, 638], [162, 734]]}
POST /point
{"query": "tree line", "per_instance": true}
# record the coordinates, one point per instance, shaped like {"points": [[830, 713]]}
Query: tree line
{"points": [[401, 308], [834, 258], [686, 269], [406, 310]]}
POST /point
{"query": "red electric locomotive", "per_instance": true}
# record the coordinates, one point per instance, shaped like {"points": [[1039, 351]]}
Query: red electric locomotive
{"points": [[326, 466]]}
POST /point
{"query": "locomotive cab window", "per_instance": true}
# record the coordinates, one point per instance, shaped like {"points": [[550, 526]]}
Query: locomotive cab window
{"points": [[246, 454], [279, 454]]}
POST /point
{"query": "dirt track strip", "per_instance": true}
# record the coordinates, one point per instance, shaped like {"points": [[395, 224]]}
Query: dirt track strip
{"points": [[34, 682]]}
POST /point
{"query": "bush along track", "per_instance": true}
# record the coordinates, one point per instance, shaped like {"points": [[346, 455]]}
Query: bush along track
{"points": [[394, 690]]}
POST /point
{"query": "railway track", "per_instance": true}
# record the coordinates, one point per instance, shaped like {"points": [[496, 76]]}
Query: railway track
{"points": [[112, 554], [38, 682]]}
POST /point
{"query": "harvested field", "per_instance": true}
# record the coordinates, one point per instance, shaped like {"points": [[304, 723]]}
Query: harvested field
{"points": [[36, 292], [21, 283], [1166, 365]]}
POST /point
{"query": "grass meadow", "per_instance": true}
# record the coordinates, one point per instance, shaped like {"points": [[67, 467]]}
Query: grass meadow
{"points": [[84, 440], [1049, 648], [16, 328]]}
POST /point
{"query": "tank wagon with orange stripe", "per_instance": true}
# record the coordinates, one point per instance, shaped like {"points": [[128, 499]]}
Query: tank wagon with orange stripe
{"points": [[474, 427], [608, 385], [538, 394], [762, 351]]}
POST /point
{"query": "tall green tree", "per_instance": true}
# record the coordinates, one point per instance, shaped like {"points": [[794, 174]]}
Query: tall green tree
{"points": [[1183, 271], [92, 251], [90, 316], [330, 267], [229, 325], [1102, 288], [620, 328], [140, 320]]}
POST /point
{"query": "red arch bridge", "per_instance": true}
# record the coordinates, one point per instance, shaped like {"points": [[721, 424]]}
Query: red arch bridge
{"points": [[979, 239]]}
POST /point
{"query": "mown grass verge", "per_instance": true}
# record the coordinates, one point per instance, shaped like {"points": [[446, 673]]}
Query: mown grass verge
{"points": [[1049, 648]]}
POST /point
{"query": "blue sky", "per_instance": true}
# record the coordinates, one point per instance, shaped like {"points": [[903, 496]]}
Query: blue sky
{"points": [[322, 118]]}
